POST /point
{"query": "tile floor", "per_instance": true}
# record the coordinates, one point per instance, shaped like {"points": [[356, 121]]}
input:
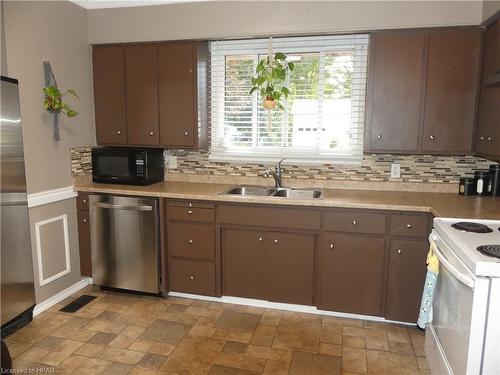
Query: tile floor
{"points": [[120, 334]]}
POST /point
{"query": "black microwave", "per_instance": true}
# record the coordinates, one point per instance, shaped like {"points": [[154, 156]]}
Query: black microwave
{"points": [[130, 166]]}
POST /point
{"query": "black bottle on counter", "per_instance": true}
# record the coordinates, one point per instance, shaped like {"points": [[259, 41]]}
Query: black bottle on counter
{"points": [[467, 186], [482, 179], [495, 179]]}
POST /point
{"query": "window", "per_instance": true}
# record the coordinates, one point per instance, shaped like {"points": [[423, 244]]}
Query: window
{"points": [[324, 114]]}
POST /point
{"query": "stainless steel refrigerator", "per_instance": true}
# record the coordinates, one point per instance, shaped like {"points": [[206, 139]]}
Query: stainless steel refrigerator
{"points": [[17, 288]]}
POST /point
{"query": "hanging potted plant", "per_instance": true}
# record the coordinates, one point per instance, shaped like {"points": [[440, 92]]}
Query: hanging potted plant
{"points": [[54, 101], [269, 80]]}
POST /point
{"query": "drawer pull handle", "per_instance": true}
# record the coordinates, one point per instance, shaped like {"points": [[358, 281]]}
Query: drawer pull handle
{"points": [[191, 278], [84, 220], [275, 241], [483, 138], [354, 222], [400, 251], [190, 242], [151, 133], [190, 212], [408, 226], [118, 132], [490, 138], [186, 134], [261, 239], [431, 137], [84, 201], [331, 246], [190, 205], [379, 136]]}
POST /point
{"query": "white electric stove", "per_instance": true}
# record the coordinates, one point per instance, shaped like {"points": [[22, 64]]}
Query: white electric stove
{"points": [[464, 336]]}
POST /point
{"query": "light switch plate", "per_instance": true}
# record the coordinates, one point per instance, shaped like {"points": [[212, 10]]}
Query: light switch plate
{"points": [[395, 170], [172, 163]]}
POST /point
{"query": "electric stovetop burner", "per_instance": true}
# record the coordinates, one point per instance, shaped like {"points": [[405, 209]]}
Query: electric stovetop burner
{"points": [[468, 226], [490, 250]]}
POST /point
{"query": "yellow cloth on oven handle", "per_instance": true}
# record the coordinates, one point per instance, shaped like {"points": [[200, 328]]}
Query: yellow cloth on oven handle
{"points": [[432, 259]]}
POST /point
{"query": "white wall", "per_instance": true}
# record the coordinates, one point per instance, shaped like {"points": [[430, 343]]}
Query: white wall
{"points": [[230, 19]]}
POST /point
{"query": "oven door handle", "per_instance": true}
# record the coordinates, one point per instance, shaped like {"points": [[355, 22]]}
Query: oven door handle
{"points": [[124, 207], [463, 278]]}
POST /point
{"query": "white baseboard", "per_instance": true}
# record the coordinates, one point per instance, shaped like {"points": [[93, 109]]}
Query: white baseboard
{"points": [[48, 303], [284, 306]]}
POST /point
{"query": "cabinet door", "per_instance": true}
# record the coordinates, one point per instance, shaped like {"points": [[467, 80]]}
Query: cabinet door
{"points": [[352, 273], [244, 263], [84, 243], [395, 94], [291, 268], [406, 279], [141, 80], [488, 130], [450, 97], [109, 94], [177, 94], [491, 50]]}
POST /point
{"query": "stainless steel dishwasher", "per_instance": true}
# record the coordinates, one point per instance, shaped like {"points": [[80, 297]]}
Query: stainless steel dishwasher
{"points": [[125, 242]]}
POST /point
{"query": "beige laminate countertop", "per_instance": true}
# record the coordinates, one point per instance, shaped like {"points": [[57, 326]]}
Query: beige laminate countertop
{"points": [[439, 204]]}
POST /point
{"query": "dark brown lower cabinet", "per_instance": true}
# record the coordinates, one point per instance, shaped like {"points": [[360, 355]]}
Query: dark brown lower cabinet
{"points": [[244, 266], [195, 277], [275, 266], [352, 273], [406, 279], [291, 268], [84, 243]]}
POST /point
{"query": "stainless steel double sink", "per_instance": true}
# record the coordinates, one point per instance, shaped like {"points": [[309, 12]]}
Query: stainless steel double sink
{"points": [[262, 191]]}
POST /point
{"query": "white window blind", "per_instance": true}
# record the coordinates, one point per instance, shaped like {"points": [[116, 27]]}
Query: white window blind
{"points": [[323, 118]]}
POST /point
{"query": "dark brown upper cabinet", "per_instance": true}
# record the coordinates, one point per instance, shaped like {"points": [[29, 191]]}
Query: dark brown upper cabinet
{"points": [[141, 87], [395, 83], [422, 89], [450, 93], [109, 94], [182, 110], [487, 142]]}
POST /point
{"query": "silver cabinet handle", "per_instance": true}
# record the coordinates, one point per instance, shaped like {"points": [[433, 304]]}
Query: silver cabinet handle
{"points": [[482, 138], [354, 222], [84, 201], [400, 251], [118, 132], [84, 220], [431, 137], [123, 207], [191, 278], [275, 241], [331, 246], [190, 242], [186, 134], [490, 139], [190, 212], [261, 239], [151, 133], [379, 136], [408, 226]]}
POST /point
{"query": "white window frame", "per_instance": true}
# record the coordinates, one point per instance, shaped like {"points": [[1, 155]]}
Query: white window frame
{"points": [[298, 156]]}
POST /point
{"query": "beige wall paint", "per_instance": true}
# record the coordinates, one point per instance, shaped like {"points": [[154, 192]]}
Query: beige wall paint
{"points": [[230, 19], [52, 247], [56, 31], [490, 8]]}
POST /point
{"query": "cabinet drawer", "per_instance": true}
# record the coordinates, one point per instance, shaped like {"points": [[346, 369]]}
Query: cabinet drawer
{"points": [[84, 243], [354, 222], [411, 225], [269, 216], [192, 277], [194, 214], [191, 240], [82, 201]]}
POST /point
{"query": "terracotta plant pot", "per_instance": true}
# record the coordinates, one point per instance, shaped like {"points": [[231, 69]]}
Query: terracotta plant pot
{"points": [[269, 103]]}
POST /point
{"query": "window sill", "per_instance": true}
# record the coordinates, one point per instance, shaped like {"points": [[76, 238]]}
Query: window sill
{"points": [[293, 160]]}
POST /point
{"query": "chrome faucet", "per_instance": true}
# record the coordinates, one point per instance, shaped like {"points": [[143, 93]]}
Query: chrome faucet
{"points": [[277, 174]]}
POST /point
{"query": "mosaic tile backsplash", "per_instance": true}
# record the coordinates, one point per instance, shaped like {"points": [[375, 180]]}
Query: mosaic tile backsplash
{"points": [[373, 168]]}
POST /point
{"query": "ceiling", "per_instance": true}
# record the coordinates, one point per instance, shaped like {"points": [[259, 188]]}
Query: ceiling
{"points": [[103, 4]]}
